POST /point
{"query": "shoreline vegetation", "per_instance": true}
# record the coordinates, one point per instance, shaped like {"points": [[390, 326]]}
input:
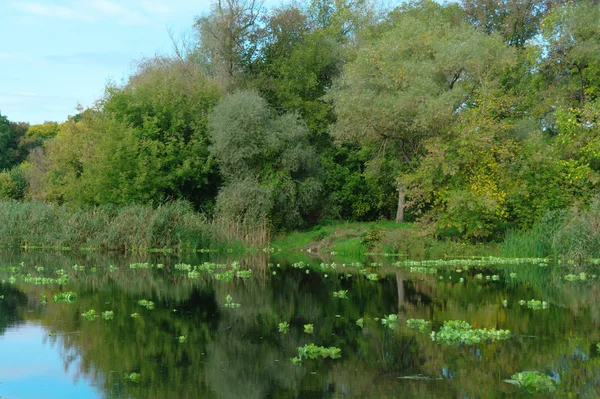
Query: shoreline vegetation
{"points": [[172, 227], [472, 125], [175, 227]]}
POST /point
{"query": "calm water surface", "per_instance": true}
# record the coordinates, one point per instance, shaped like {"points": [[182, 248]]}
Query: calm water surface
{"points": [[195, 342]]}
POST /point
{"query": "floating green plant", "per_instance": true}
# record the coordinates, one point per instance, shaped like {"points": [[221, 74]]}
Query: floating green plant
{"points": [[43, 299], [139, 266], [89, 315], [78, 268], [230, 304], [146, 303], [373, 277], [341, 294], [225, 276], [133, 377], [418, 324], [108, 315], [182, 339], [112, 268], [460, 332], [308, 328], [360, 322], [65, 297], [576, 277], [283, 327], [244, 273], [534, 304], [390, 321], [313, 351], [135, 315], [533, 381]]}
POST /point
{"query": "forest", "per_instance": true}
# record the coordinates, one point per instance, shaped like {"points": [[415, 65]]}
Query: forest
{"points": [[471, 119]]}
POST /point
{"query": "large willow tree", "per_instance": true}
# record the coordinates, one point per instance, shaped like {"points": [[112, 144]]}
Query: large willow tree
{"points": [[408, 82]]}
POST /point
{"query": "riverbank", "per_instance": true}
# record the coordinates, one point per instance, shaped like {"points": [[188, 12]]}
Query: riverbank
{"points": [[385, 238], [171, 227]]}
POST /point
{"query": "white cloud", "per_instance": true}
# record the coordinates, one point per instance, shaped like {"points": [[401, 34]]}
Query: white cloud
{"points": [[52, 11]]}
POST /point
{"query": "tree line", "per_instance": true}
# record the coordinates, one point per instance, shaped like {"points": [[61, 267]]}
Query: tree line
{"points": [[468, 117]]}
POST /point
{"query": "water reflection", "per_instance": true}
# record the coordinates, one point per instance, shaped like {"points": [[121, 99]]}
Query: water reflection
{"points": [[31, 367], [239, 353]]}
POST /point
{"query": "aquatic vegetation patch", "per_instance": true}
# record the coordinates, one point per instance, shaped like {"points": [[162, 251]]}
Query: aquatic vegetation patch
{"points": [[146, 303], [134, 315], [283, 327], [533, 381], [308, 328], [455, 332], [43, 299], [133, 377], [181, 339], [360, 322], [225, 276], [230, 304], [139, 266], [244, 273], [89, 315], [313, 351], [341, 294], [534, 304], [373, 277], [108, 315], [390, 321], [579, 277], [65, 297], [418, 324]]}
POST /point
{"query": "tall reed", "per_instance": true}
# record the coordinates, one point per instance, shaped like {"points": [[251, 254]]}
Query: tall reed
{"points": [[175, 226]]}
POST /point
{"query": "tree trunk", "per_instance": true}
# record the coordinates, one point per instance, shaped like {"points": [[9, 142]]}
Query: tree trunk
{"points": [[401, 203]]}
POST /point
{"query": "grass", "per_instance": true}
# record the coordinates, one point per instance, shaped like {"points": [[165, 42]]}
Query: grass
{"points": [[358, 239], [173, 226], [351, 238], [570, 234]]}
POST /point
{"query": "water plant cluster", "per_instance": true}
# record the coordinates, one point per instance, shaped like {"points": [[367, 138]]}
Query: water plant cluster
{"points": [[418, 324], [454, 332], [65, 297], [534, 304], [533, 381], [312, 351]]}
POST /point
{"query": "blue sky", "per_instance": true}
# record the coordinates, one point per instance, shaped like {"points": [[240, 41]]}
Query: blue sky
{"points": [[55, 54]]}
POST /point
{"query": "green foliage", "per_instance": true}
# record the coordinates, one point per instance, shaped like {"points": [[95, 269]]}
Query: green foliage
{"points": [[89, 315], [308, 328], [65, 297], [266, 161], [390, 321], [283, 327], [146, 141], [418, 324], [174, 226], [13, 183], [108, 315], [146, 303], [455, 332], [313, 351], [341, 294], [229, 302], [533, 381]]}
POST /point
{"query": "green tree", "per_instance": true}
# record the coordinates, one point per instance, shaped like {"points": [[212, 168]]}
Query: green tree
{"points": [[410, 80], [267, 163], [516, 20], [146, 142]]}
